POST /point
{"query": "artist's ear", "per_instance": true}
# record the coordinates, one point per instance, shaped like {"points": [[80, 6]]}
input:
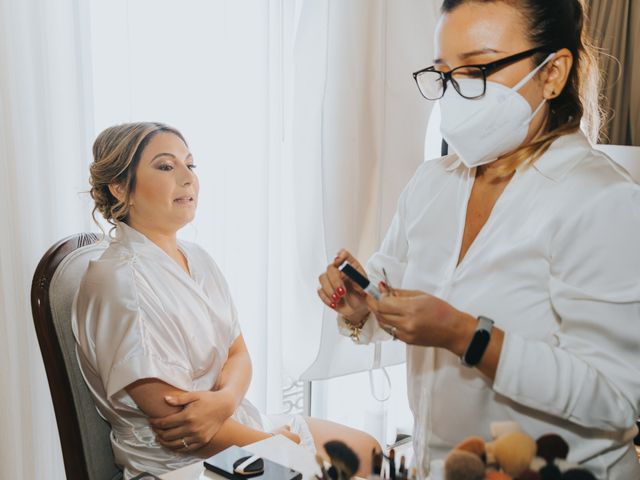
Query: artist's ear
{"points": [[117, 190], [557, 73]]}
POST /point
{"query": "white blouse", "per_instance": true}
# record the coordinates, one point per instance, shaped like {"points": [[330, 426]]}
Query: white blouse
{"points": [[557, 266], [139, 315]]}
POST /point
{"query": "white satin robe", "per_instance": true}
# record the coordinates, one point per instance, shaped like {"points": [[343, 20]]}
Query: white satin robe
{"points": [[137, 315], [557, 266]]}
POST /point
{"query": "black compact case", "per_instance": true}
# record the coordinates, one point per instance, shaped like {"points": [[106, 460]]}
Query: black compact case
{"points": [[226, 462]]}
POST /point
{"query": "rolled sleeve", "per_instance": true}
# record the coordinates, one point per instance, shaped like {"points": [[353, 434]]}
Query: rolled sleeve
{"points": [[137, 347], [141, 366]]}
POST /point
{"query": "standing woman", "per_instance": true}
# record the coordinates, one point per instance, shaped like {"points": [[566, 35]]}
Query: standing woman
{"points": [[517, 259]]}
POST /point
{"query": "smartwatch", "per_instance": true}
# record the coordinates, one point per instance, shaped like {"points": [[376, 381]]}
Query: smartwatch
{"points": [[478, 344]]}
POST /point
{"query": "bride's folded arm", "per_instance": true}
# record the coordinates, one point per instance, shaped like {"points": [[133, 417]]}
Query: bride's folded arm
{"points": [[200, 425]]}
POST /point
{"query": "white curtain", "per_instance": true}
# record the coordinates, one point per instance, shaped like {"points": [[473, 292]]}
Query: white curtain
{"points": [[45, 128], [217, 70], [360, 120]]}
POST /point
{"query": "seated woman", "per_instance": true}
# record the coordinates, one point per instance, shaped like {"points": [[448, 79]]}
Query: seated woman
{"points": [[159, 342]]}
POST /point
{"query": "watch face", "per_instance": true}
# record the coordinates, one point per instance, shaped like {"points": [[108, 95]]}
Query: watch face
{"points": [[477, 347]]}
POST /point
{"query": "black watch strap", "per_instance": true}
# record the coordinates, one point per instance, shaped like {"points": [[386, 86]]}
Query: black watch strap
{"points": [[478, 344]]}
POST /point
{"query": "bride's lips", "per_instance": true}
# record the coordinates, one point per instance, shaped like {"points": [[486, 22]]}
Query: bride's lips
{"points": [[185, 199]]}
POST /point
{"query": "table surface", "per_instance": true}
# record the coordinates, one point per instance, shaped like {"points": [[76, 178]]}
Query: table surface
{"points": [[282, 450], [277, 449]]}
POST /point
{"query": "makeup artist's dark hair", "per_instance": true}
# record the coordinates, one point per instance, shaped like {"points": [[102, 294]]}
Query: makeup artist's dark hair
{"points": [[116, 154], [558, 24]]}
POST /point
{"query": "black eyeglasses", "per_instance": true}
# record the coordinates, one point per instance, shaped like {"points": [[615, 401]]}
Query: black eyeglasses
{"points": [[433, 83]]}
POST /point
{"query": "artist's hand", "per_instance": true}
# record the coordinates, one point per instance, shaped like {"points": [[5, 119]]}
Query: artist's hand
{"points": [[201, 417], [418, 318], [338, 292], [286, 431]]}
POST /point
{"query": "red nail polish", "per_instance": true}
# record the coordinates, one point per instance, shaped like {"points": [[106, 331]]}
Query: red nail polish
{"points": [[383, 285], [333, 305], [334, 297], [341, 291]]}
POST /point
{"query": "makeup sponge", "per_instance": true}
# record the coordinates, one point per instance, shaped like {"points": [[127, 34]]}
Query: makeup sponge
{"points": [[550, 472], [473, 445], [501, 428], [514, 452], [461, 465], [344, 461], [552, 446], [577, 474]]}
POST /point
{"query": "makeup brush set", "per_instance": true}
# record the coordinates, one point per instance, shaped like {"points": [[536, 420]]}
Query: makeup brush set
{"points": [[512, 455], [345, 463]]}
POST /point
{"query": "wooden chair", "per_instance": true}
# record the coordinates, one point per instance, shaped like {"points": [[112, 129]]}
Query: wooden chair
{"points": [[84, 434]]}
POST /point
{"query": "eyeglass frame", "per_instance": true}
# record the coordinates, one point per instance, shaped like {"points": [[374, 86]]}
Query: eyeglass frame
{"points": [[485, 68]]}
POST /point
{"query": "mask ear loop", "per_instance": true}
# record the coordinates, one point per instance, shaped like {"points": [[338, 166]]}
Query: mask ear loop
{"points": [[386, 391], [377, 357], [529, 76], [532, 73], [538, 108]]}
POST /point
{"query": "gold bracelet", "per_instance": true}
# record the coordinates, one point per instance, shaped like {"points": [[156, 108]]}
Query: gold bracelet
{"points": [[355, 330]]}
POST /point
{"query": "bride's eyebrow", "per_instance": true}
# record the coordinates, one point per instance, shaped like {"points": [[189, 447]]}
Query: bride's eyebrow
{"points": [[161, 155], [167, 154]]}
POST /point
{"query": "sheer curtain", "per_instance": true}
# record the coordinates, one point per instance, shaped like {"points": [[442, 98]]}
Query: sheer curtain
{"points": [[217, 70], [45, 129], [359, 121]]}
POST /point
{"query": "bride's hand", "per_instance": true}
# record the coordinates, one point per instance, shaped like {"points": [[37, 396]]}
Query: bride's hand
{"points": [[201, 417], [286, 431]]}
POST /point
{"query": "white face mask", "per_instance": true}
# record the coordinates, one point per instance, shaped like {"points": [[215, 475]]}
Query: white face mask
{"points": [[485, 128]]}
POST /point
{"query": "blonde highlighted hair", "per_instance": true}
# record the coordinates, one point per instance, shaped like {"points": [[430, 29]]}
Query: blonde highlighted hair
{"points": [[116, 154]]}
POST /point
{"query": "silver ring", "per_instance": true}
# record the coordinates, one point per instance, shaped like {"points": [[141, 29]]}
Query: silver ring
{"points": [[184, 442], [393, 331]]}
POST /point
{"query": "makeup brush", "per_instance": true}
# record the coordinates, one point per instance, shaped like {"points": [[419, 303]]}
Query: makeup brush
{"points": [[402, 470], [387, 284], [552, 446], [323, 471], [344, 461], [392, 464], [376, 465], [461, 465], [578, 474]]}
